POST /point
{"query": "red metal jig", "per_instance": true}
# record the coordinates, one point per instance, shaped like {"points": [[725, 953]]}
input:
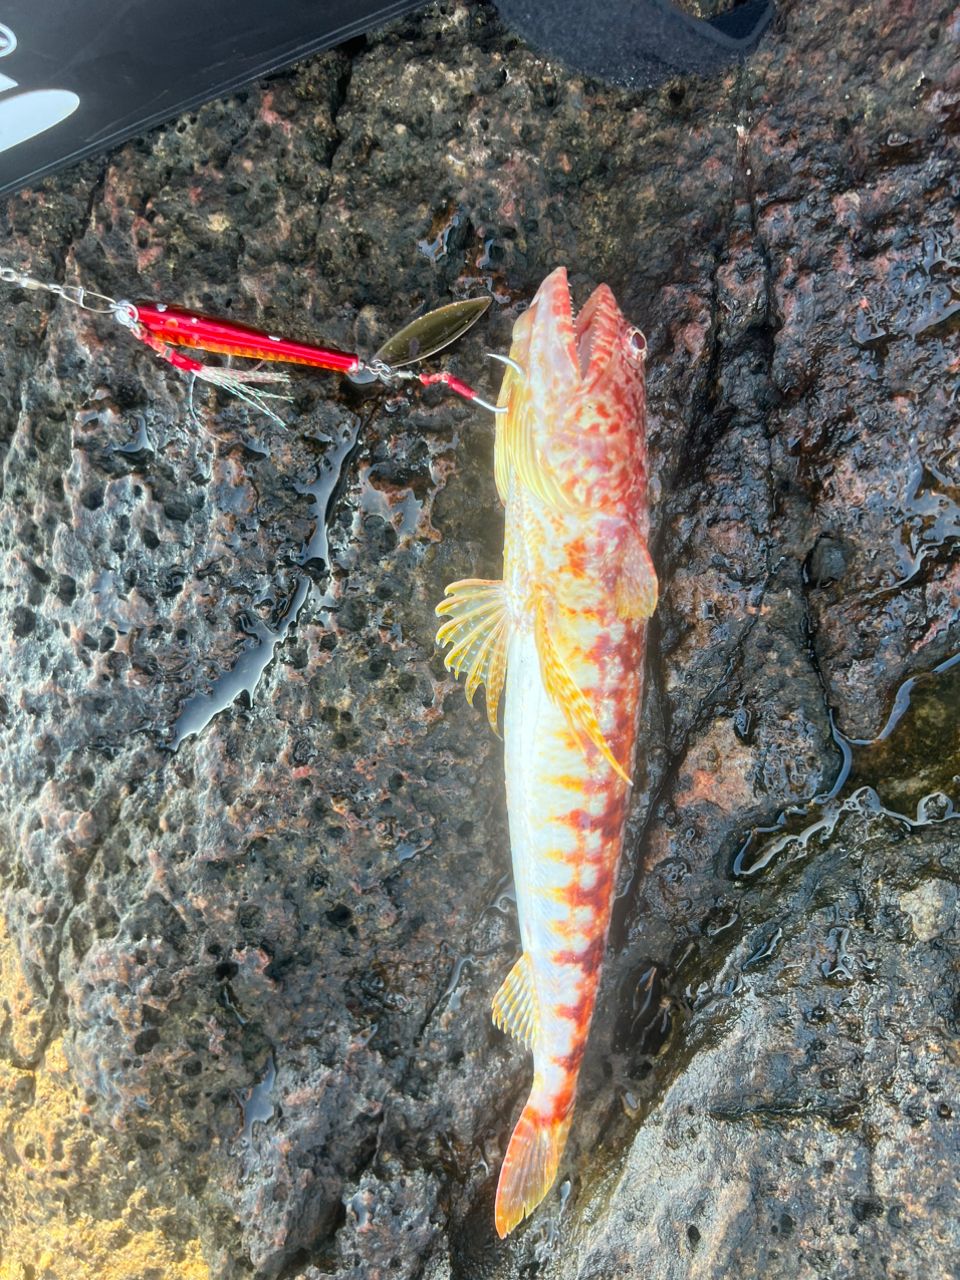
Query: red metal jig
{"points": [[182, 328], [164, 328]]}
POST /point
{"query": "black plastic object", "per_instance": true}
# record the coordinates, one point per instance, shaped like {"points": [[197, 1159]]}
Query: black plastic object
{"points": [[79, 76], [636, 43]]}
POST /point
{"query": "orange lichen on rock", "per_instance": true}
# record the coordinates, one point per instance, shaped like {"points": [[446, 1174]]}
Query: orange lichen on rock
{"points": [[70, 1203], [22, 1016]]}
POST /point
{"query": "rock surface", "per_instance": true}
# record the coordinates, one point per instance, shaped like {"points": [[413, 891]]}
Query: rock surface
{"points": [[252, 840]]}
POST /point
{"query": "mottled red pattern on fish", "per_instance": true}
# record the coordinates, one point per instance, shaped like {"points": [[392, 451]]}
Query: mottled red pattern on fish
{"points": [[564, 632]]}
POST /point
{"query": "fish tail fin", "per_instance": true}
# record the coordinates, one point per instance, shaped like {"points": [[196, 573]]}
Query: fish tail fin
{"points": [[530, 1165]]}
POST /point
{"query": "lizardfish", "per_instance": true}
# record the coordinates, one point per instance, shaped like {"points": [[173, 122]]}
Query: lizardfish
{"points": [[564, 632]]}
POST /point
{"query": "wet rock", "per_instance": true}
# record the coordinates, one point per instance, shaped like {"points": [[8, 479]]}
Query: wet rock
{"points": [[73, 1191], [254, 848], [826, 563], [815, 1074]]}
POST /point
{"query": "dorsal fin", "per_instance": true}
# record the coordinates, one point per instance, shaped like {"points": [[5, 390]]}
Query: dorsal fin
{"points": [[636, 591]]}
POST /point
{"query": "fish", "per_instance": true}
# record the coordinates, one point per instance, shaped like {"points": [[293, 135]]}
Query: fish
{"points": [[561, 637]]}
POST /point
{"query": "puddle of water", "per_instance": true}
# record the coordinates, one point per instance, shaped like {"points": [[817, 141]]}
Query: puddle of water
{"points": [[504, 900], [920, 299], [229, 1001], [766, 949], [452, 996], [407, 849], [647, 1007], [910, 772], [316, 550], [257, 1105], [140, 444], [436, 248], [245, 675], [839, 967], [545, 1241], [403, 514], [931, 521]]}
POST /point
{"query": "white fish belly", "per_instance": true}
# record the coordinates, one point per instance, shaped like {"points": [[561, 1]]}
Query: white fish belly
{"points": [[548, 853]]}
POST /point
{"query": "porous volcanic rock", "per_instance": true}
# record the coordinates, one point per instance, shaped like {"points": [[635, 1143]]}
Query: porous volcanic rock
{"points": [[253, 843]]}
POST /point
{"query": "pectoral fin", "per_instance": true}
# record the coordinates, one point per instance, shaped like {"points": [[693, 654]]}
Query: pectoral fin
{"points": [[516, 452], [477, 631], [563, 689], [636, 592], [515, 1004]]}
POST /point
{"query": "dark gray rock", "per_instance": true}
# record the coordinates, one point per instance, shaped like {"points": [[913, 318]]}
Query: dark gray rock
{"points": [[270, 953]]}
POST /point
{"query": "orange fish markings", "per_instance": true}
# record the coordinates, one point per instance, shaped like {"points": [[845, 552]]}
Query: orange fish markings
{"points": [[562, 634]]}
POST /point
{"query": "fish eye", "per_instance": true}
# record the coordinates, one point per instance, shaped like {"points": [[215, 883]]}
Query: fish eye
{"points": [[636, 345]]}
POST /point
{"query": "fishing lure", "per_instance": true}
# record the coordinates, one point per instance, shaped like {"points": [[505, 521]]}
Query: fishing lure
{"points": [[166, 328], [563, 633]]}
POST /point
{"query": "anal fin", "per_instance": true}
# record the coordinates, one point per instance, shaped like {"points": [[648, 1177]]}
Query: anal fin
{"points": [[476, 629], [565, 692], [515, 1004]]}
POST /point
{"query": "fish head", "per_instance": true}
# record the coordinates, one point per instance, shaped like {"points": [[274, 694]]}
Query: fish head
{"points": [[581, 393]]}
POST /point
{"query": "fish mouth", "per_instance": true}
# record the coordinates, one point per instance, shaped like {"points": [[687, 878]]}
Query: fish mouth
{"points": [[596, 329], [585, 343]]}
